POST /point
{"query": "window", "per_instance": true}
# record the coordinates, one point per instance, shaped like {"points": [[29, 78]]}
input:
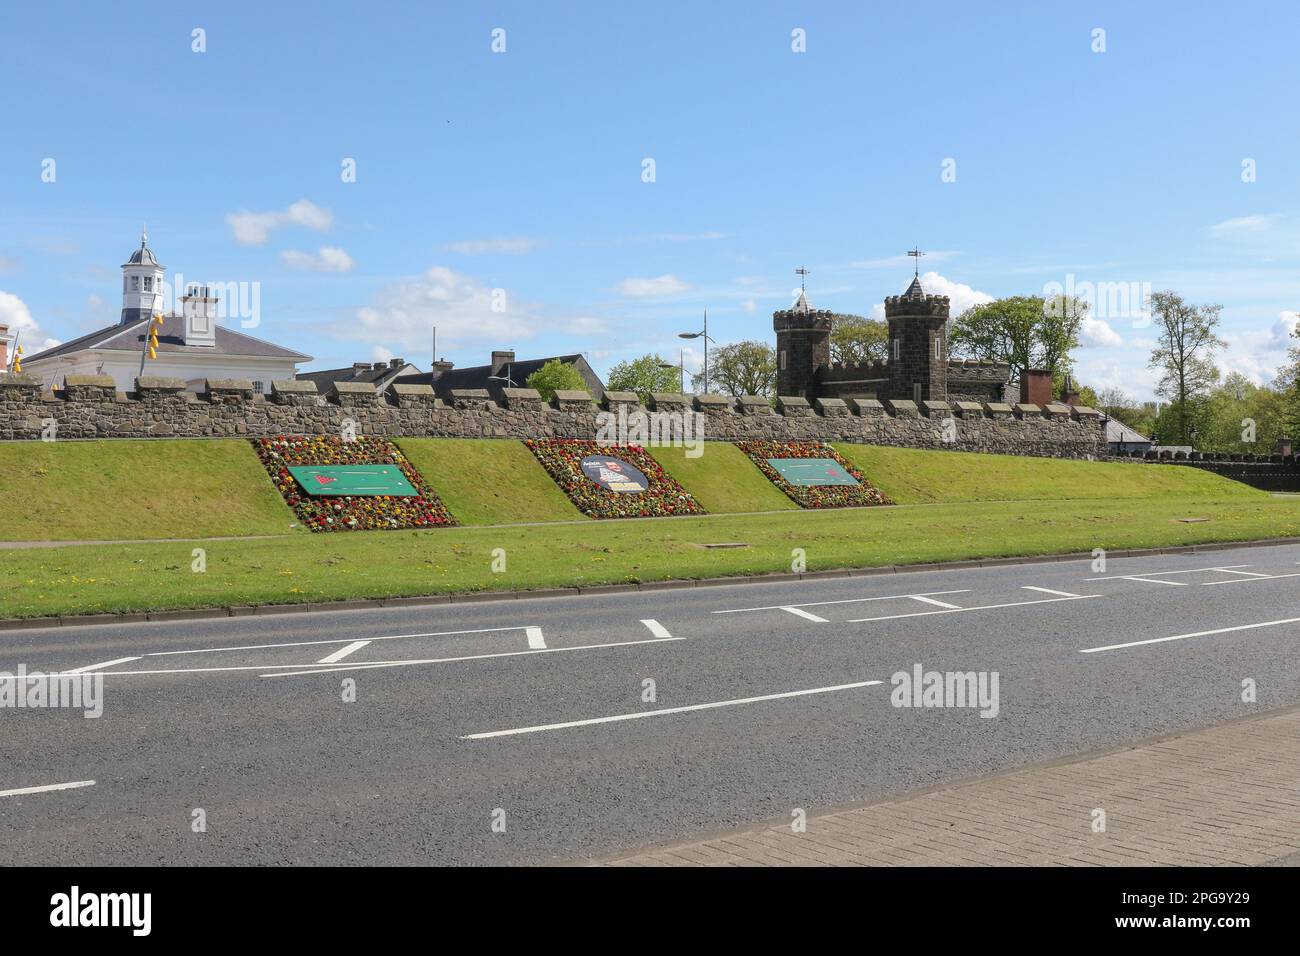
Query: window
{"points": [[938, 348], [916, 392], [898, 347], [135, 283], [783, 360], [148, 283], [259, 387]]}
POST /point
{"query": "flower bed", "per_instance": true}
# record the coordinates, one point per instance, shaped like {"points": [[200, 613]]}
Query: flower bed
{"points": [[349, 512], [864, 494], [562, 459]]}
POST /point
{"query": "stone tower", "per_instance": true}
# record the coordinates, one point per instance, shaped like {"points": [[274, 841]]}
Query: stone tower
{"points": [[142, 284], [803, 345], [918, 354]]}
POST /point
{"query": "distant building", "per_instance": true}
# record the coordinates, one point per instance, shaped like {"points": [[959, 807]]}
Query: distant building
{"points": [[505, 371], [192, 346], [918, 368], [378, 374], [1123, 439]]}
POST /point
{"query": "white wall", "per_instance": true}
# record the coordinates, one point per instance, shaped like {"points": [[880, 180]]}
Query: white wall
{"points": [[193, 369]]}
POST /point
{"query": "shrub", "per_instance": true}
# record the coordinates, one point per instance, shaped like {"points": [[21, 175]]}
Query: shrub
{"points": [[562, 459], [556, 376], [813, 496], [349, 512]]}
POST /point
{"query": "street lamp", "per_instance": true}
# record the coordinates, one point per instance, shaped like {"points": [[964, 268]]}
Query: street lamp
{"points": [[681, 371], [503, 378], [701, 335]]}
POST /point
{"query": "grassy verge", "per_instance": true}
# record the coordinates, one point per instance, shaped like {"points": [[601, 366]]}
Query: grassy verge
{"points": [[723, 479], [106, 490], [390, 563], [913, 476], [488, 480]]}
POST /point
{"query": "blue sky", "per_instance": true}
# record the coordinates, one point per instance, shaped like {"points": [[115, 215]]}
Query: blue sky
{"points": [[522, 171]]}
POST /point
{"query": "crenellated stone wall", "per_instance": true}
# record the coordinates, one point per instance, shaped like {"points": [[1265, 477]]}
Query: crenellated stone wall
{"points": [[90, 407]]}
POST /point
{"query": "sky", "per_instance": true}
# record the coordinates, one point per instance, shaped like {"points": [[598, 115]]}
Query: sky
{"points": [[591, 177]]}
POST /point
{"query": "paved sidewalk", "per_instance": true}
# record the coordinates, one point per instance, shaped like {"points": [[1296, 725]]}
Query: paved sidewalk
{"points": [[1226, 795]]}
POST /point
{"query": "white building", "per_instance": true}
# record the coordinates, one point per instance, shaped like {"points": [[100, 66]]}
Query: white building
{"points": [[192, 346]]}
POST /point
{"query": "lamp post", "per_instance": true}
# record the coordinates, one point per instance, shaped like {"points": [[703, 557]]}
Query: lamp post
{"points": [[681, 369], [503, 378], [704, 335]]}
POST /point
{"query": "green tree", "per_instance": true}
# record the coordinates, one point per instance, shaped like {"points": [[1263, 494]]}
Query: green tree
{"points": [[740, 368], [644, 375], [856, 340], [1025, 331], [1184, 356], [556, 376]]}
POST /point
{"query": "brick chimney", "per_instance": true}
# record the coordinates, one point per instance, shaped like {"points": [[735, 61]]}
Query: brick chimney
{"points": [[500, 360], [4, 348], [396, 363], [440, 368], [1283, 444], [1036, 387]]}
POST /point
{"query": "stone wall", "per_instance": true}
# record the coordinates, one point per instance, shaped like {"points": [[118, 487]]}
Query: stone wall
{"points": [[90, 407], [1266, 472]]}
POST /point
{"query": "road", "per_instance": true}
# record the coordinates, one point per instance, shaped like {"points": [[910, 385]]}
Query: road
{"points": [[535, 713]]}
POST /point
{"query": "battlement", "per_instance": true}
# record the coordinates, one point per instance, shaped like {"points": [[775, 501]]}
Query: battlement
{"points": [[91, 407], [921, 306], [786, 320], [839, 371], [978, 370]]}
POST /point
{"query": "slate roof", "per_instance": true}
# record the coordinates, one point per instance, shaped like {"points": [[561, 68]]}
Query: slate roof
{"points": [[914, 291], [130, 338], [380, 377], [476, 376], [1117, 431]]}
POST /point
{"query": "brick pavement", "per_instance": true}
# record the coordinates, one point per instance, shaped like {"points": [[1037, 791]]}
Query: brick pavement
{"points": [[1224, 795]]}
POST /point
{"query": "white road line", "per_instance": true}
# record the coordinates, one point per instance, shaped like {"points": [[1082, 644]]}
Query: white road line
{"points": [[46, 789], [389, 637], [1267, 577], [372, 665], [1030, 587], [1146, 580], [657, 629], [797, 612], [1249, 574], [786, 607], [535, 640], [95, 667], [343, 652], [667, 710], [928, 600], [1129, 577], [959, 610], [1183, 637]]}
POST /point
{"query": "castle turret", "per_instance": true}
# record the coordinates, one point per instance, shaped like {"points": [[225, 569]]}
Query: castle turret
{"points": [[918, 352], [142, 284], [803, 345]]}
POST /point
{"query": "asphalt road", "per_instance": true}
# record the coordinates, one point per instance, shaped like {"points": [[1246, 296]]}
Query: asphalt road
{"points": [[463, 711]]}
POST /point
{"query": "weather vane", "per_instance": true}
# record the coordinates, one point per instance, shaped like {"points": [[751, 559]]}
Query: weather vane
{"points": [[916, 254], [801, 272]]}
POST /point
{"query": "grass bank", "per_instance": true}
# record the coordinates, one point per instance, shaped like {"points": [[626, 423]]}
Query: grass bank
{"points": [[391, 563]]}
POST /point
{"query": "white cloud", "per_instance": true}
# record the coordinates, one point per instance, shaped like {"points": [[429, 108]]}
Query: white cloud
{"points": [[503, 245], [1245, 227], [1259, 353], [459, 305], [15, 314], [1098, 332], [254, 228], [749, 305], [683, 237], [648, 288], [960, 297], [329, 259]]}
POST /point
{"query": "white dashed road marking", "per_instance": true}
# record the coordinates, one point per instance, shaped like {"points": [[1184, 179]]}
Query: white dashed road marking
{"points": [[657, 629], [343, 652], [883, 597], [47, 788], [535, 640], [960, 610], [666, 711], [929, 600], [95, 667], [1030, 587], [799, 612], [1183, 637]]}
